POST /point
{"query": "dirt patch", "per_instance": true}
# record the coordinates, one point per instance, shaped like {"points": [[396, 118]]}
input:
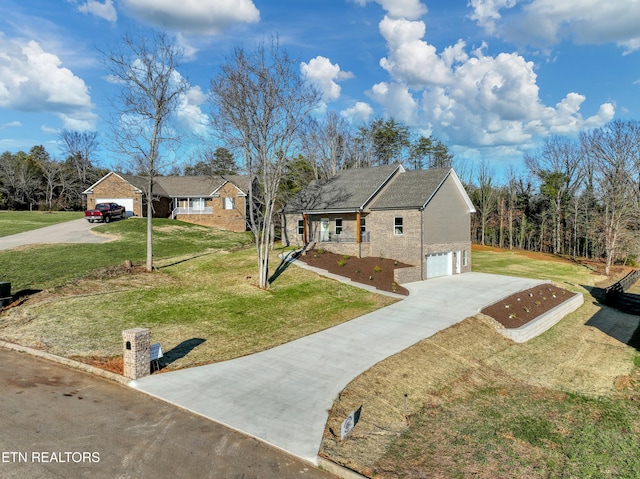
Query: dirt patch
{"points": [[114, 364], [520, 308], [376, 272]]}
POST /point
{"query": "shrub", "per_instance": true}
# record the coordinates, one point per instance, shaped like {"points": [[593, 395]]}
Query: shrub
{"points": [[342, 262], [377, 269]]}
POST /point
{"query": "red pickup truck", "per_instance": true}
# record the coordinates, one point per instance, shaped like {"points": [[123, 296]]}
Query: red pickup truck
{"points": [[105, 212]]}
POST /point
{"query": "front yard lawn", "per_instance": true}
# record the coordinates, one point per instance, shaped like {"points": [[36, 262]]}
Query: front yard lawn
{"points": [[47, 266], [203, 292]]}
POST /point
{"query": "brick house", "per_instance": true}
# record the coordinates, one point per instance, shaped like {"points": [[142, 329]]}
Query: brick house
{"points": [[219, 201], [417, 217]]}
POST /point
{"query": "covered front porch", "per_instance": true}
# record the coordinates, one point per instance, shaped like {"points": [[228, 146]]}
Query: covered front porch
{"points": [[335, 228], [190, 206]]}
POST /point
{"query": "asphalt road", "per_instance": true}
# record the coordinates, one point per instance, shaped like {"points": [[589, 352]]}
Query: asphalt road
{"points": [[76, 231], [56, 422]]}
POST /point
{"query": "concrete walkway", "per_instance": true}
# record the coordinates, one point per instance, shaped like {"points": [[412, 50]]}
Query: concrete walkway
{"points": [[75, 231], [282, 396]]}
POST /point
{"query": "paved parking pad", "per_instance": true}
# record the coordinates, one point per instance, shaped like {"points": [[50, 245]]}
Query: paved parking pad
{"points": [[282, 395]]}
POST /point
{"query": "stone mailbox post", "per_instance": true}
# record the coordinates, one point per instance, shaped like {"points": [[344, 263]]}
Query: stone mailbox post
{"points": [[135, 343]]}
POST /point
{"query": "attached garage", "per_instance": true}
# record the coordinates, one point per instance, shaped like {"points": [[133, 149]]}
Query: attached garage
{"points": [[439, 264], [126, 202]]}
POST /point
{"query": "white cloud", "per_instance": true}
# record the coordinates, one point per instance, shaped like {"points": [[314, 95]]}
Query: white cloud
{"points": [[323, 74], [410, 58], [487, 12], [104, 10], [209, 17], [361, 112], [396, 99], [411, 9], [11, 124], [470, 98], [33, 80], [189, 112], [547, 22]]}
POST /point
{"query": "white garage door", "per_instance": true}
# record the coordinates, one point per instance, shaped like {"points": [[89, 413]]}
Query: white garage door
{"points": [[438, 264], [126, 202]]}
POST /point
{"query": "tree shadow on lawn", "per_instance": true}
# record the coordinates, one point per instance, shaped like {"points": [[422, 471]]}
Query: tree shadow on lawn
{"points": [[180, 351], [286, 261]]}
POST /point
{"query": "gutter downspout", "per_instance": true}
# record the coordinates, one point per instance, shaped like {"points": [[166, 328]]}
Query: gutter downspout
{"points": [[422, 244], [358, 239]]}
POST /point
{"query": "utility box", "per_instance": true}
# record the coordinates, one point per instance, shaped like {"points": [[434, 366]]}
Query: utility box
{"points": [[5, 293], [135, 344]]}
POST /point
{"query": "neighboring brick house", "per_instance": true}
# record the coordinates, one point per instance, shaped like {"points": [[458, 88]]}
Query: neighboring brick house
{"points": [[417, 217], [219, 201]]}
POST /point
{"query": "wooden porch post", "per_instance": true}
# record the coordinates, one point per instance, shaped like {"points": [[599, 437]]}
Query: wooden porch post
{"points": [[305, 234], [358, 239]]}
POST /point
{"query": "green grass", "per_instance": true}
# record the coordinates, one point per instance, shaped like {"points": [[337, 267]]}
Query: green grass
{"points": [[41, 267], [13, 222], [204, 290], [521, 431], [513, 263]]}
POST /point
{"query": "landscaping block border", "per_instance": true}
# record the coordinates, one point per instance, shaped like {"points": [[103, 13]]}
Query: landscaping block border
{"points": [[543, 322]]}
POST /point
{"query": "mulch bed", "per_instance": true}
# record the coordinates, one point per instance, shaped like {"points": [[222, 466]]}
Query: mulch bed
{"points": [[377, 272], [520, 308]]}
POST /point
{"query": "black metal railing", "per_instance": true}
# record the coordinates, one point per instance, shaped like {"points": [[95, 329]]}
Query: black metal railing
{"points": [[617, 297]]}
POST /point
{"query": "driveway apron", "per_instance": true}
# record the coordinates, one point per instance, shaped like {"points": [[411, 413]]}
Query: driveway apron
{"points": [[282, 396]]}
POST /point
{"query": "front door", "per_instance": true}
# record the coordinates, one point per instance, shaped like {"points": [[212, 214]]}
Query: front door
{"points": [[324, 229]]}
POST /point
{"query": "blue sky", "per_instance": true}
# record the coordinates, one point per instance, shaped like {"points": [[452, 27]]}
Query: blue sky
{"points": [[490, 78]]}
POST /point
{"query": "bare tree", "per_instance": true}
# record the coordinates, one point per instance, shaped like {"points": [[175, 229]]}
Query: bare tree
{"points": [[327, 144], [79, 149], [486, 196], [615, 152], [558, 165], [260, 102], [150, 92]]}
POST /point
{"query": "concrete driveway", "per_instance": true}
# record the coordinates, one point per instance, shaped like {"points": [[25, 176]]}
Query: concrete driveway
{"points": [[76, 231], [282, 396]]}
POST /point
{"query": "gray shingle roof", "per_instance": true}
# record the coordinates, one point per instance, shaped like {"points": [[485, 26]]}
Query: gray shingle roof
{"points": [[350, 190], [188, 186], [410, 189]]}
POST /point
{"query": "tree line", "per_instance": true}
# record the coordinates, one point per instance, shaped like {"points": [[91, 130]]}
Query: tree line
{"points": [[36, 180], [576, 197]]}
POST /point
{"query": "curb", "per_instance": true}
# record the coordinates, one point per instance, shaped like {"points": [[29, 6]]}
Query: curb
{"points": [[338, 470], [342, 279], [67, 362]]}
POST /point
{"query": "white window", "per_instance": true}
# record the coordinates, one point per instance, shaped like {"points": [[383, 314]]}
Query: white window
{"points": [[300, 227], [338, 226], [465, 259], [363, 225], [228, 203], [398, 226]]}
